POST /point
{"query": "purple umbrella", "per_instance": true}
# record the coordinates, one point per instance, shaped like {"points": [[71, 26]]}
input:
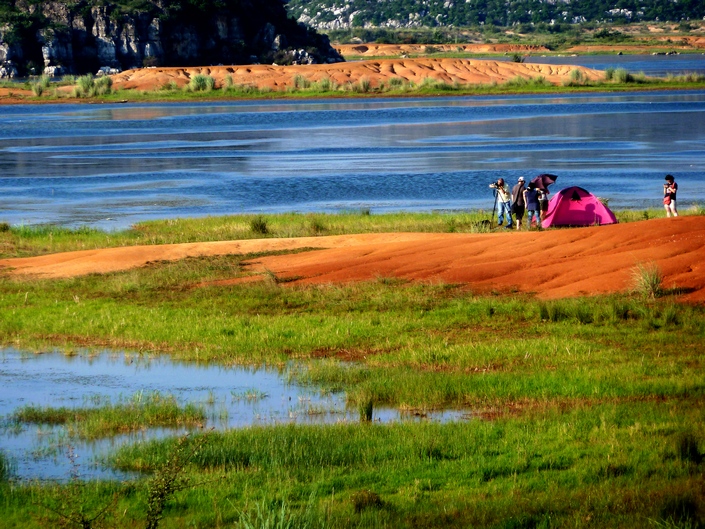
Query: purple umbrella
{"points": [[542, 181]]}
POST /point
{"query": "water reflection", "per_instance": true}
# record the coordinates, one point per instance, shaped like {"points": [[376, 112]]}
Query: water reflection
{"points": [[231, 396]]}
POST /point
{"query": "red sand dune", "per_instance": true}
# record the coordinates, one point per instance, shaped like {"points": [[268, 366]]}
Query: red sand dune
{"points": [[462, 71], [553, 263]]}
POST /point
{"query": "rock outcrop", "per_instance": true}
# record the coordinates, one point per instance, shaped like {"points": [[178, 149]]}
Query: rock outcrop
{"points": [[58, 38]]}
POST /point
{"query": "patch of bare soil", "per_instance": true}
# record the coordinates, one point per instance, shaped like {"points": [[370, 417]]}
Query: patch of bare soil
{"points": [[554, 263]]}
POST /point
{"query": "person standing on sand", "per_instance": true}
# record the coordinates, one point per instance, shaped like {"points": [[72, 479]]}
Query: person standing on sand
{"points": [[670, 188], [543, 202], [531, 199], [518, 204], [504, 202]]}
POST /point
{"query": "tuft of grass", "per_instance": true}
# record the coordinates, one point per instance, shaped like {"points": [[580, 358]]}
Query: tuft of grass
{"points": [[301, 82], [647, 280], [688, 449], [201, 83], [366, 499], [5, 469], [259, 225], [622, 76], [366, 409], [576, 78]]}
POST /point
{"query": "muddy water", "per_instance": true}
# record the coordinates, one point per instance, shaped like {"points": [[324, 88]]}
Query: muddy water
{"points": [[232, 397]]}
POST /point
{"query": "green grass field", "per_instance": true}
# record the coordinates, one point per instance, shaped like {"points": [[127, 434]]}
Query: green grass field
{"points": [[579, 413]]}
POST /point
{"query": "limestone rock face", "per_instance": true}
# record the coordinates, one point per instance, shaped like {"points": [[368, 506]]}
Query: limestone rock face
{"points": [[87, 36]]}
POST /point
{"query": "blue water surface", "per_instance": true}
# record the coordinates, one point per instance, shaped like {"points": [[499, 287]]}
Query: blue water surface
{"points": [[113, 165]]}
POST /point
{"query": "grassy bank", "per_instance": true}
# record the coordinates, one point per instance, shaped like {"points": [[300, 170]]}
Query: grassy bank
{"points": [[24, 241], [208, 89], [582, 413]]}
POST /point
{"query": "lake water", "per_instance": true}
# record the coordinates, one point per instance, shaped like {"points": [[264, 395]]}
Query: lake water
{"points": [[110, 166], [650, 65], [232, 397]]}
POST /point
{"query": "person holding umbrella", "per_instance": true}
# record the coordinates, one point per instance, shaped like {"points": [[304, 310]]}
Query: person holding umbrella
{"points": [[542, 182]]}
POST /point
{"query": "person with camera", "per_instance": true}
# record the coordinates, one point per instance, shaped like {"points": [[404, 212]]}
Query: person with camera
{"points": [[518, 203], [670, 188], [504, 202]]}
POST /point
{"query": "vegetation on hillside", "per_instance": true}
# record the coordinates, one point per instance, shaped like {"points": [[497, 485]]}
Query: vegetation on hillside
{"points": [[417, 13]]}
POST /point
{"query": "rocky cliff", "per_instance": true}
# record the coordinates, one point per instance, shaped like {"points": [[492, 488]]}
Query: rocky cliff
{"points": [[83, 36]]}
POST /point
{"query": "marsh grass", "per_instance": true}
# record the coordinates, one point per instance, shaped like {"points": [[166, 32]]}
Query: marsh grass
{"points": [[140, 412], [572, 405], [20, 241]]}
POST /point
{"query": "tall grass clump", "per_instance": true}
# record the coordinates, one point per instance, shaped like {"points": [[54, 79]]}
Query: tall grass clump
{"points": [[300, 82], [228, 83], [577, 77], [201, 83], [326, 84], [364, 85], [270, 514], [103, 86], [169, 86], [687, 448], [647, 280], [84, 86], [4, 468], [41, 85], [623, 76], [259, 225]]}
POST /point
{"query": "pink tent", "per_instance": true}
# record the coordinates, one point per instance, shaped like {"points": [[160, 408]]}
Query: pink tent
{"points": [[574, 206]]}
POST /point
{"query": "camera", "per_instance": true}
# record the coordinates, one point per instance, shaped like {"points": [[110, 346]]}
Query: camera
{"points": [[495, 184]]}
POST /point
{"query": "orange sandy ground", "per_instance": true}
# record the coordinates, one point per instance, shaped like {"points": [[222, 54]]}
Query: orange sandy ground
{"points": [[554, 263], [462, 71]]}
